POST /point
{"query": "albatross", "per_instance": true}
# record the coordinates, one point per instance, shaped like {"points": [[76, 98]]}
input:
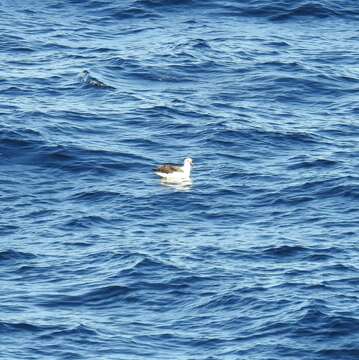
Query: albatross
{"points": [[171, 172]]}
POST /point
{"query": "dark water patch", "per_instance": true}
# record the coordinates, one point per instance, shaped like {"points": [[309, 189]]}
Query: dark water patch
{"points": [[39, 214], [167, 287], [311, 9], [229, 301], [152, 73], [345, 282], [342, 131], [22, 50], [55, 46], [189, 47], [163, 3], [28, 270], [18, 327], [287, 10], [278, 43], [16, 91], [319, 257], [350, 352], [150, 266], [9, 255], [122, 257], [87, 222], [303, 85], [122, 63], [172, 110], [28, 147], [135, 13], [317, 323], [271, 138], [340, 187], [21, 138], [7, 107], [79, 244], [78, 333], [95, 196], [8, 229], [305, 163], [286, 251], [340, 267], [347, 191], [284, 66], [178, 67], [295, 200], [102, 296]]}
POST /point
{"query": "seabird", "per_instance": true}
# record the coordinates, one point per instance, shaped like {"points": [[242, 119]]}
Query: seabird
{"points": [[92, 81], [171, 172]]}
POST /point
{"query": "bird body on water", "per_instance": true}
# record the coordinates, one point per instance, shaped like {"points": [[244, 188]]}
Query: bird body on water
{"points": [[171, 172]]}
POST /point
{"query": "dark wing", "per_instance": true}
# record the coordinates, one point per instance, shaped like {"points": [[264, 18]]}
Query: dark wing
{"points": [[168, 168], [97, 83]]}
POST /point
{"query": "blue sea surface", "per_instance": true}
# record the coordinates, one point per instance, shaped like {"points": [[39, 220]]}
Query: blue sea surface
{"points": [[258, 259]]}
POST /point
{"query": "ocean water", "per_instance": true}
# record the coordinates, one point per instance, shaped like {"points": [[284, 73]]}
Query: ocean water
{"points": [[258, 258]]}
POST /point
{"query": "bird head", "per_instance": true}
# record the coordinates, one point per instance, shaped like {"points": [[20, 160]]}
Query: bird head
{"points": [[188, 162]]}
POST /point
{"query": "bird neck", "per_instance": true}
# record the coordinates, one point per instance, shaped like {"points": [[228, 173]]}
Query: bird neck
{"points": [[85, 77], [187, 169]]}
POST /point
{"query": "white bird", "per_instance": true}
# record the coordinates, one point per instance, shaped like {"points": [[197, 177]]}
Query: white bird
{"points": [[175, 173]]}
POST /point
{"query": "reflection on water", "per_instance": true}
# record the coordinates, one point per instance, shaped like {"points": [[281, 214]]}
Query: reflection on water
{"points": [[181, 185]]}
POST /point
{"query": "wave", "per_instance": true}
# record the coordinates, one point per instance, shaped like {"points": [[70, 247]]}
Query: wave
{"points": [[316, 322], [94, 196], [226, 137], [29, 147], [282, 10], [306, 163], [15, 255], [286, 251], [136, 70], [8, 229], [101, 296], [275, 11], [146, 265], [287, 9], [161, 3], [85, 222], [109, 10], [339, 186], [6, 327], [78, 332], [156, 10]]}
